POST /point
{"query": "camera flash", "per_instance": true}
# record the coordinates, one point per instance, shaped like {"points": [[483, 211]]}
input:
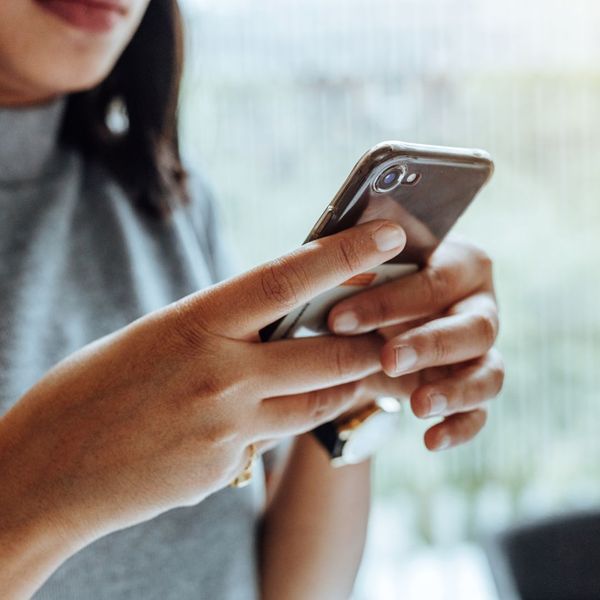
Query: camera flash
{"points": [[411, 178]]}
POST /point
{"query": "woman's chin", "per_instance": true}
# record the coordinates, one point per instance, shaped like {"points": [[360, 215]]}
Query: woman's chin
{"points": [[59, 81]]}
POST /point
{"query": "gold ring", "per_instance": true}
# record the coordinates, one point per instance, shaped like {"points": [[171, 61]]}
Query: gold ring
{"points": [[245, 477]]}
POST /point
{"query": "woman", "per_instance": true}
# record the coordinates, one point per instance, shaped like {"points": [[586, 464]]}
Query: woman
{"points": [[125, 395]]}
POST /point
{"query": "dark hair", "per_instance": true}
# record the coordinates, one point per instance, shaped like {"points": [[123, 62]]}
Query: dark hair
{"points": [[144, 158]]}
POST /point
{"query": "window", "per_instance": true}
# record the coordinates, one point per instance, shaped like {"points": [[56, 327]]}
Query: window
{"points": [[282, 97]]}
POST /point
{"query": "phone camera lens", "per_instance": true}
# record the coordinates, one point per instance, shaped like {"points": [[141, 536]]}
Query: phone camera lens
{"points": [[389, 179]]}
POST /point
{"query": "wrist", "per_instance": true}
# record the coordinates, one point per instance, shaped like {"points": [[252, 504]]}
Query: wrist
{"points": [[354, 410], [29, 553], [355, 436], [33, 540], [308, 445]]}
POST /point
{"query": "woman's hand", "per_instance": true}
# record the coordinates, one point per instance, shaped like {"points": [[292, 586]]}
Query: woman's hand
{"points": [[440, 325], [160, 414]]}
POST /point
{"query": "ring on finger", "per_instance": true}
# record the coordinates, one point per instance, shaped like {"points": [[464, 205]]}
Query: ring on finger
{"points": [[245, 477]]}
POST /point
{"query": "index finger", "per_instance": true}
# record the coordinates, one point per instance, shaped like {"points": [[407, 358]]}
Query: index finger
{"points": [[453, 272], [240, 306]]}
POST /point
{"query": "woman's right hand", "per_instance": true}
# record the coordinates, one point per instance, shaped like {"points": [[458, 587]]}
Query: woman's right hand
{"points": [[161, 413]]}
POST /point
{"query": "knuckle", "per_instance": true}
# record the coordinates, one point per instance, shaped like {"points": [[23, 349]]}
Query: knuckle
{"points": [[353, 391], [383, 310], [471, 424], [498, 380], [481, 417], [215, 385], [486, 326], [349, 256], [437, 286], [283, 282], [188, 327], [439, 345], [343, 360], [479, 392], [497, 374], [464, 429], [222, 432], [482, 259], [319, 405]]}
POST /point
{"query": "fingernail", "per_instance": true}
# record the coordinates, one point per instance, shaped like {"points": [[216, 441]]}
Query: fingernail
{"points": [[406, 357], [389, 237], [345, 322], [437, 404], [444, 443]]}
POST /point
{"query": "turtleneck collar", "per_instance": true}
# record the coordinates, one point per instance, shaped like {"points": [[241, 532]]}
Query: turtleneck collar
{"points": [[29, 139]]}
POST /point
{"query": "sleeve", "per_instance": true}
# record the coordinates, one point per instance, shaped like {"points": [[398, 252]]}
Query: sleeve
{"points": [[207, 223]]}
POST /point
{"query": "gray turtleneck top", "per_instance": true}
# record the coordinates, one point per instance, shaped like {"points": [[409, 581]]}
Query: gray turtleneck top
{"points": [[76, 263]]}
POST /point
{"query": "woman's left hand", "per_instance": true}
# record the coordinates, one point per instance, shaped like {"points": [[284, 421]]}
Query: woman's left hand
{"points": [[440, 325]]}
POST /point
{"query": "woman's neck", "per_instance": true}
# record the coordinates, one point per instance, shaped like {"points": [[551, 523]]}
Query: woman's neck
{"points": [[30, 137]]}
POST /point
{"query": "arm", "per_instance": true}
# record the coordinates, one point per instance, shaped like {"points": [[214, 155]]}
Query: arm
{"points": [[32, 545], [314, 527], [129, 426]]}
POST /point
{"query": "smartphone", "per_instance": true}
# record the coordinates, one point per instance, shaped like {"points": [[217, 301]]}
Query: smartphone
{"points": [[425, 189]]}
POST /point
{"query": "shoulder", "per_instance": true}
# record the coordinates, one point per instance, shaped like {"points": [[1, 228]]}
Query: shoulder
{"points": [[206, 219], [202, 198]]}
